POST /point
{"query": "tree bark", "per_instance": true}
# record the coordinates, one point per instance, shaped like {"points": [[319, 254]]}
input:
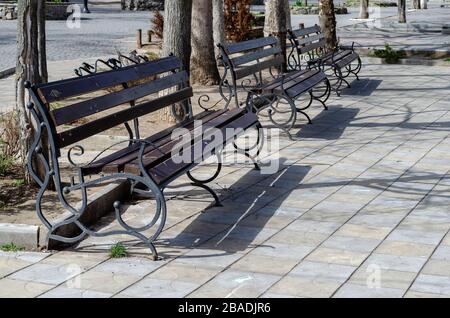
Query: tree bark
{"points": [[327, 21], [30, 66], [177, 30], [401, 11], [416, 4], [176, 40], [364, 9], [203, 62], [277, 22], [218, 24], [424, 4]]}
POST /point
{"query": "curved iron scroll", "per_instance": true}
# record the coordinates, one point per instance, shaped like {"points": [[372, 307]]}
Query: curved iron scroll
{"points": [[52, 172]]}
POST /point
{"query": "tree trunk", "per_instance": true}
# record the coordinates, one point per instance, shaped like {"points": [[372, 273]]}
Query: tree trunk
{"points": [[416, 4], [424, 4], [364, 9], [401, 11], [218, 24], [176, 40], [41, 42], [277, 22], [327, 21], [203, 62], [177, 30], [30, 39]]}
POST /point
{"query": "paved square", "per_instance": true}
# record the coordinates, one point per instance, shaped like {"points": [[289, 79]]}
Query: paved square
{"points": [[359, 208]]}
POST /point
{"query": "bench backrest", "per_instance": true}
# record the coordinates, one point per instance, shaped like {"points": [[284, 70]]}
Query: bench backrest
{"points": [[122, 86], [307, 40], [252, 57]]}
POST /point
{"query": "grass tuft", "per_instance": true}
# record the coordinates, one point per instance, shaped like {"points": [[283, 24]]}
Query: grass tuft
{"points": [[118, 251], [11, 247]]}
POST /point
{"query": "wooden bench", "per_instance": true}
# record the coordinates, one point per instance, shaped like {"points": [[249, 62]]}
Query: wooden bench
{"points": [[309, 44], [257, 65], [149, 164]]}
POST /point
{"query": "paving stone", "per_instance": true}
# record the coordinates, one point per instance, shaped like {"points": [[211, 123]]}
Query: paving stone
{"points": [[442, 253], [11, 288], [236, 284], [9, 265], [64, 292], [420, 237], [358, 291], [208, 258], [313, 226], [101, 281], [264, 264], [159, 288], [185, 273], [288, 251], [437, 267], [377, 277], [129, 265], [337, 256], [355, 244], [293, 237], [317, 271], [432, 284], [398, 263], [47, 273], [413, 294], [405, 249], [364, 231], [305, 287]]}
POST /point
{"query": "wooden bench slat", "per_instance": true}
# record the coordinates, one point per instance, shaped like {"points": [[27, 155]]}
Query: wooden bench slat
{"points": [[306, 31], [86, 108], [313, 46], [224, 119], [118, 164], [167, 169], [255, 68], [291, 79], [250, 45], [310, 39], [60, 90], [74, 135], [256, 56], [347, 60], [158, 138], [305, 85]]}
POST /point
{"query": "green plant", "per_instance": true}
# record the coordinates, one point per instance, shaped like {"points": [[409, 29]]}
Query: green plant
{"points": [[11, 247], [6, 163], [447, 59], [389, 54], [298, 3], [118, 251], [18, 182]]}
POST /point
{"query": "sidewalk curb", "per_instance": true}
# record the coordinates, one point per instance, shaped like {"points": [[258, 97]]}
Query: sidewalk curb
{"points": [[7, 72]]}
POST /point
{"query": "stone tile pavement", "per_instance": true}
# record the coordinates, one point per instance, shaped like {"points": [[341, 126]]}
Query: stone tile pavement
{"points": [[358, 208]]}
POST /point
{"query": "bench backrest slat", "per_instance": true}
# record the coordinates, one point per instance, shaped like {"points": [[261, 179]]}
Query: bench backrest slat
{"points": [[96, 98], [60, 90], [312, 46], [94, 127], [306, 31], [250, 45], [258, 67], [253, 56], [76, 111], [244, 59]]}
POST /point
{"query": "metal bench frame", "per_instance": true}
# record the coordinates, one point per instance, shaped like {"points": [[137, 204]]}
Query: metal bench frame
{"points": [[309, 44], [268, 57], [143, 183]]}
